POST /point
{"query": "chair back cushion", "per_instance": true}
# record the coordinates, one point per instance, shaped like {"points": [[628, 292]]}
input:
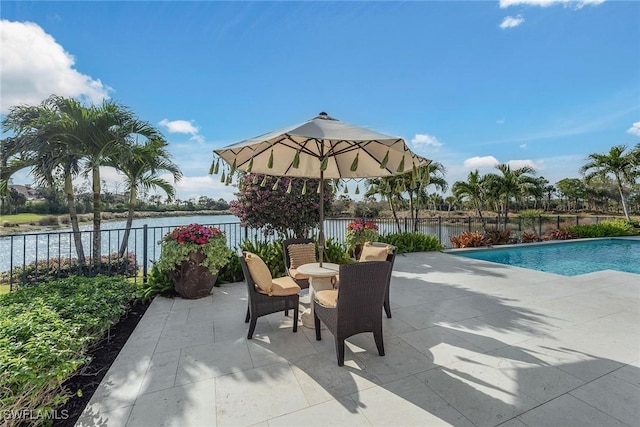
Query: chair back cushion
{"points": [[259, 272], [375, 253], [302, 253]]}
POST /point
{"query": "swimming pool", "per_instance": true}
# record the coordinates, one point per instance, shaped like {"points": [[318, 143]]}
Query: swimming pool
{"points": [[568, 259]]}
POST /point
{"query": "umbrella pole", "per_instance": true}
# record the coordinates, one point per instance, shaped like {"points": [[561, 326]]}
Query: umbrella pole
{"points": [[321, 227]]}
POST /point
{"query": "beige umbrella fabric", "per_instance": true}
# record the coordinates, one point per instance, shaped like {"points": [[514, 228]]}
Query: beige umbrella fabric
{"points": [[322, 148]]}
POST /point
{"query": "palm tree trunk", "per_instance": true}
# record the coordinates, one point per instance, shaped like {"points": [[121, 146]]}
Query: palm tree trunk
{"points": [[73, 216], [392, 206], [624, 204], [127, 230], [97, 237]]}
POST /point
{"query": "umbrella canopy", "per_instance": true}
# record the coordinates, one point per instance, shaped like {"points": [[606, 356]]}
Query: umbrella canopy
{"points": [[323, 148]]}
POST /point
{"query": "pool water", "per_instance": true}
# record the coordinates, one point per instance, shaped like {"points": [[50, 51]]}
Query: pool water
{"points": [[568, 259]]}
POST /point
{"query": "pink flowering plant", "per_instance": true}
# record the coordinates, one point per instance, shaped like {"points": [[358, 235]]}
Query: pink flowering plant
{"points": [[359, 232], [178, 244]]}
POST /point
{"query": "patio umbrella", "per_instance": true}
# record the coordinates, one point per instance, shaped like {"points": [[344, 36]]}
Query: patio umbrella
{"points": [[323, 148]]}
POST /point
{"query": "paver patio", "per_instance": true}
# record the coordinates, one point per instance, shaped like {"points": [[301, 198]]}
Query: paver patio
{"points": [[471, 343]]}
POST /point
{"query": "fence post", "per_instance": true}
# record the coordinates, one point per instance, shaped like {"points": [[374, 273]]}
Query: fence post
{"points": [[520, 224], [577, 220], [144, 253], [539, 225], [405, 224], [558, 222], [440, 229], [469, 224]]}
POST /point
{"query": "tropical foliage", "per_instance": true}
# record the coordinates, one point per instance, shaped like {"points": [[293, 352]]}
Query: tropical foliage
{"points": [[45, 332]]}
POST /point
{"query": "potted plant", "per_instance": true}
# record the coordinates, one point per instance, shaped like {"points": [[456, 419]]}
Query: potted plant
{"points": [[194, 254], [359, 232]]}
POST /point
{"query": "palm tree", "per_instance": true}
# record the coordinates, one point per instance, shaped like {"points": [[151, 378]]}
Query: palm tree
{"points": [[141, 164], [46, 139], [113, 130], [473, 190], [386, 188], [431, 174], [623, 166], [510, 184]]}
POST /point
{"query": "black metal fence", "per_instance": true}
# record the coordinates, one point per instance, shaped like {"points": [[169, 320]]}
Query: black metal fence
{"points": [[54, 251]]}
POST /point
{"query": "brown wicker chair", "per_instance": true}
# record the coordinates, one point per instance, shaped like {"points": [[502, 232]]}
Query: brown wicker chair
{"points": [[261, 304], [303, 283], [357, 304], [391, 257]]}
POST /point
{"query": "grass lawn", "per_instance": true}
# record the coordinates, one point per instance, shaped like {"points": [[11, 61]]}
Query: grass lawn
{"points": [[4, 289], [22, 218]]}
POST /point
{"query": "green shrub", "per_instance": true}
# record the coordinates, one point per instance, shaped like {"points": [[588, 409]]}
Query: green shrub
{"points": [[231, 272], [412, 242], [604, 229], [45, 331], [335, 252], [158, 283], [271, 253], [110, 265]]}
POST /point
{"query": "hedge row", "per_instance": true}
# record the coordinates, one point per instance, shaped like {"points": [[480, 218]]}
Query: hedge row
{"points": [[45, 332]]}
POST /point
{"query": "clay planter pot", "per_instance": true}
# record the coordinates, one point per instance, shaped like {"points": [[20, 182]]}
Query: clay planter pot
{"points": [[191, 279]]}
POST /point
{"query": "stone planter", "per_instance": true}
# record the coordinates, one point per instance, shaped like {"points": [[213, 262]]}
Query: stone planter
{"points": [[191, 279]]}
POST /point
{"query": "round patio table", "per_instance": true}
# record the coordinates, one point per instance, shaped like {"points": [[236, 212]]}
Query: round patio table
{"points": [[320, 279]]}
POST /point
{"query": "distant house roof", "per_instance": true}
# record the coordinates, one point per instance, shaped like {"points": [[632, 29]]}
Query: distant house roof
{"points": [[26, 191]]}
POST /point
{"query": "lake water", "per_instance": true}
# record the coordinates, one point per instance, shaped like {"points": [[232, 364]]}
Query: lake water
{"points": [[24, 248]]}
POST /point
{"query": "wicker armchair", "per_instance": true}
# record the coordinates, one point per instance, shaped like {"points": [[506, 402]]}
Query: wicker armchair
{"points": [[302, 281], [391, 257], [355, 306], [261, 303]]}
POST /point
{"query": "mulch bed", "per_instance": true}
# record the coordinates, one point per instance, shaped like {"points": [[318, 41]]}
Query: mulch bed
{"points": [[102, 356]]}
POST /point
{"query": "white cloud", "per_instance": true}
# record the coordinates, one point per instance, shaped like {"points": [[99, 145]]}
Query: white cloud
{"points": [[207, 185], [517, 164], [183, 126], [634, 129], [481, 162], [35, 66], [523, 146], [500, 121], [179, 126], [577, 4], [511, 22], [426, 140]]}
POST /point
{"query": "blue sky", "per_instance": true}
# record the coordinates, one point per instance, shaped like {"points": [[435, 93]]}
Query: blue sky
{"points": [[467, 84]]}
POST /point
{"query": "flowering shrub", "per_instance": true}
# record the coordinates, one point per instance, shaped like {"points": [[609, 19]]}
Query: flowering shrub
{"points": [[359, 232], [178, 244], [274, 209]]}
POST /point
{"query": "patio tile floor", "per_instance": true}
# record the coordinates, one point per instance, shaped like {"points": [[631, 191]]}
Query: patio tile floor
{"points": [[471, 343]]}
